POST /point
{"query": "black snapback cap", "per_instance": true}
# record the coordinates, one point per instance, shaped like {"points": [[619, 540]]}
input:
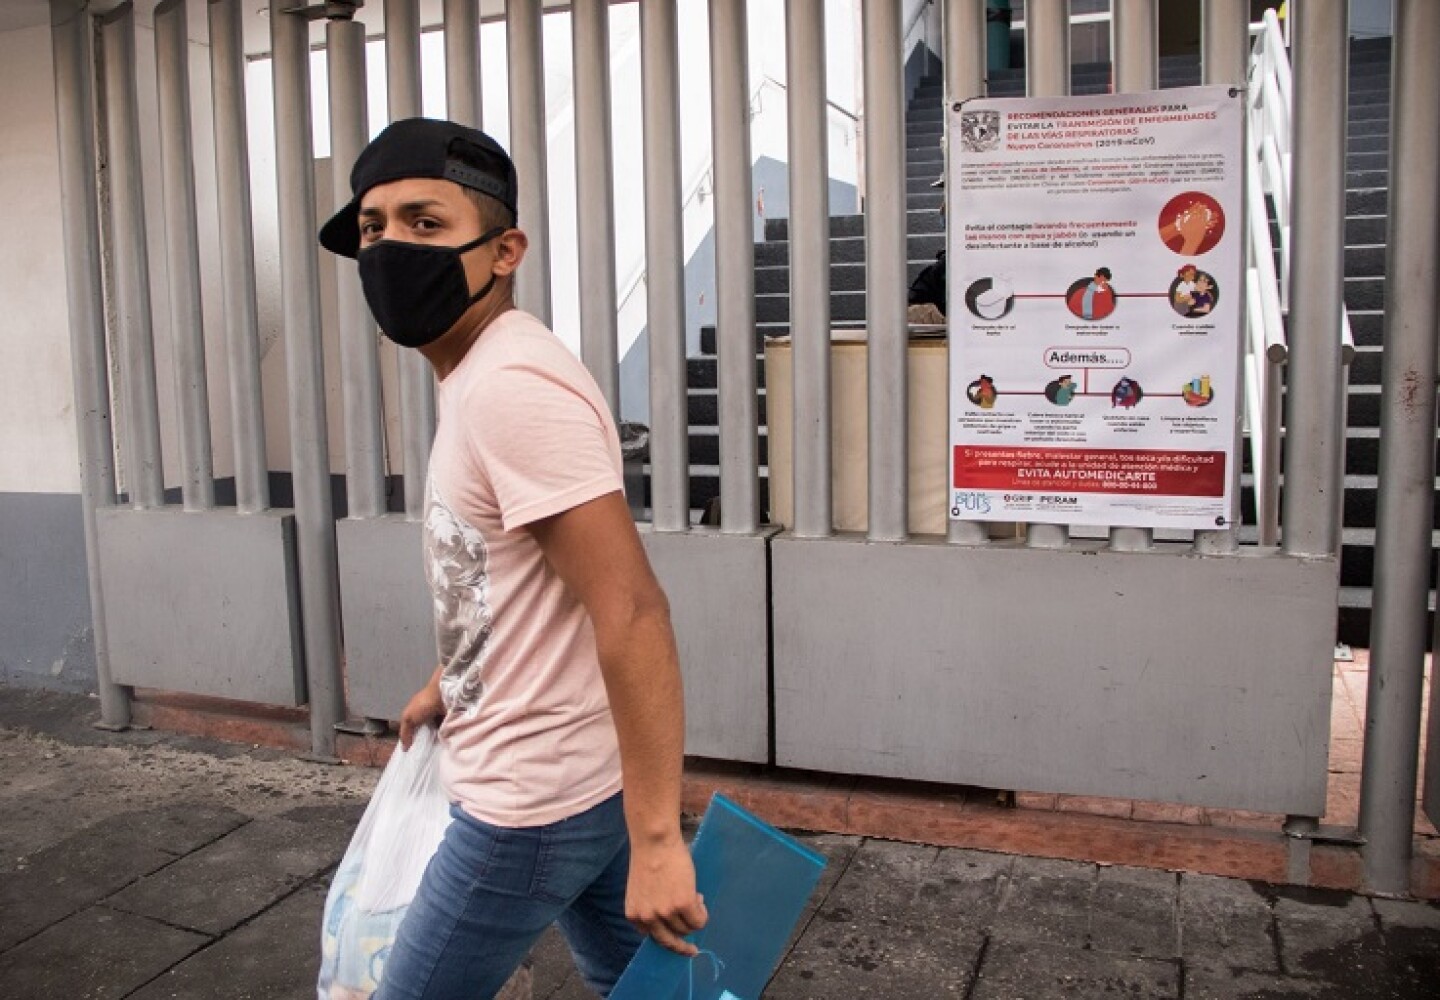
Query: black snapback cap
{"points": [[421, 147]]}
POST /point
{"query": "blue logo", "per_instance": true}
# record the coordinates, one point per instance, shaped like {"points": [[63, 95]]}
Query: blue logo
{"points": [[970, 502]]}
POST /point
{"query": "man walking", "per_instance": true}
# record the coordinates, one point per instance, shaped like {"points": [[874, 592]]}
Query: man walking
{"points": [[558, 680]]}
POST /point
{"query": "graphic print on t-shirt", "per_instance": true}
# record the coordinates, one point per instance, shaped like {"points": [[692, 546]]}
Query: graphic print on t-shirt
{"points": [[456, 566]]}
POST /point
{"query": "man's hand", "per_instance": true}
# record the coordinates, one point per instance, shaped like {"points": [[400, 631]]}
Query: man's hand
{"points": [[661, 899], [424, 708]]}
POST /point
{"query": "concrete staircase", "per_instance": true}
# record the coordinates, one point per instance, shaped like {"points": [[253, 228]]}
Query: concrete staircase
{"points": [[1366, 200]]}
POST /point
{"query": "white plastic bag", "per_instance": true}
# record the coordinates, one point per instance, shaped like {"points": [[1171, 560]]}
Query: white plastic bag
{"points": [[381, 870]]}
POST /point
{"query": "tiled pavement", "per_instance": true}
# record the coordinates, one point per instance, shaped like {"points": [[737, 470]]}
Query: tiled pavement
{"points": [[168, 868]]}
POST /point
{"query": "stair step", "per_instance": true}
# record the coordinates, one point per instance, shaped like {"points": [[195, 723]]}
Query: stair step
{"points": [[702, 371], [843, 278], [703, 407], [917, 222], [705, 447], [849, 250]]}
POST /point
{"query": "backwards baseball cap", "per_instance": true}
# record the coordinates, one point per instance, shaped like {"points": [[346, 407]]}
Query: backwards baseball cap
{"points": [[421, 147]]}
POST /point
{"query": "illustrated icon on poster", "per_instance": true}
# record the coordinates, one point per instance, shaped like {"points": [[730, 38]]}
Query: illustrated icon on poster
{"points": [[990, 298], [1198, 391], [1127, 393], [982, 392], [1191, 223], [980, 131], [1193, 293], [1061, 391], [1092, 298]]}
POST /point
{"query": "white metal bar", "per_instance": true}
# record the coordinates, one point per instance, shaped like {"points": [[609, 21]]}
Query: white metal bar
{"points": [[1047, 74], [305, 371], [1316, 378], [70, 40], [462, 62], [734, 267], [237, 256], [143, 468], [1407, 455], [359, 356], [885, 273], [964, 59], [182, 254], [594, 184], [1134, 30], [524, 41], [809, 266], [664, 266], [417, 380]]}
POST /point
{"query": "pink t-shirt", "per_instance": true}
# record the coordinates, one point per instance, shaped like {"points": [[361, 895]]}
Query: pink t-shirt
{"points": [[524, 433]]}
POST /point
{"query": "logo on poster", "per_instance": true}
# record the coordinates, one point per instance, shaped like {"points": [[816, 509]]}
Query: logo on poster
{"points": [[970, 502]]}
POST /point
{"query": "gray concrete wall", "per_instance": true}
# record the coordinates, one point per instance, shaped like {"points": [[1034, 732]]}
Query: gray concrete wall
{"points": [[45, 635]]}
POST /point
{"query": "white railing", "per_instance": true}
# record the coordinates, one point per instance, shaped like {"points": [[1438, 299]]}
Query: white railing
{"points": [[1268, 174]]}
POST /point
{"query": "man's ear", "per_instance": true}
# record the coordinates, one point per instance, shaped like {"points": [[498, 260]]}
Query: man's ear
{"points": [[510, 248]]}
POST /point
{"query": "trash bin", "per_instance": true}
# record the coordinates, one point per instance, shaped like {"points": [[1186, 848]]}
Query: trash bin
{"points": [[997, 34]]}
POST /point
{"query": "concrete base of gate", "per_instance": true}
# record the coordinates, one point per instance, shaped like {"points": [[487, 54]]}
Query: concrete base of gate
{"points": [[387, 611], [719, 602], [1160, 675], [202, 602]]}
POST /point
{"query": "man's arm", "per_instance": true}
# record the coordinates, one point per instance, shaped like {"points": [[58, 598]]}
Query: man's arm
{"points": [[595, 549], [425, 707]]}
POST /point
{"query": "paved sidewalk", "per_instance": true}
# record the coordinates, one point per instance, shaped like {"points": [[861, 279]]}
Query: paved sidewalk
{"points": [[158, 867]]}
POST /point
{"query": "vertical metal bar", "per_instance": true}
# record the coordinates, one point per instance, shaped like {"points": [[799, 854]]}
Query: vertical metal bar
{"points": [[1224, 58], [143, 470], [462, 62], [1313, 429], [594, 191], [734, 266], [75, 132], [885, 273], [809, 266], [1134, 28], [1047, 48], [1047, 74], [664, 266], [417, 381], [525, 48], [1407, 453], [1134, 33], [964, 78], [237, 256], [182, 254], [305, 370], [359, 357], [1225, 40]]}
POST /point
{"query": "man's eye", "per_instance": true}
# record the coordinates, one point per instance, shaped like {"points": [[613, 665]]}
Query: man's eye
{"points": [[368, 229], [426, 225]]}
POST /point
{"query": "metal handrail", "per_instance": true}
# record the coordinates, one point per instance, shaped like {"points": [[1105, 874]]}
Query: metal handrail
{"points": [[1268, 173]]}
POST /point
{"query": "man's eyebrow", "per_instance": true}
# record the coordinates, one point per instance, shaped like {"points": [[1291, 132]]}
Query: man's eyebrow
{"points": [[407, 207]]}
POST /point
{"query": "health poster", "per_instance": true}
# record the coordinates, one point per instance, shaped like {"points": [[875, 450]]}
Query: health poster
{"points": [[1095, 260]]}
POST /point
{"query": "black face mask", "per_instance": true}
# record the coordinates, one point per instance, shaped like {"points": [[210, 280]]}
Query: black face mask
{"points": [[417, 291]]}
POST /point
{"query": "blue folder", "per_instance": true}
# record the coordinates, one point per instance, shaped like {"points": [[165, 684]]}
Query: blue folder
{"points": [[755, 881]]}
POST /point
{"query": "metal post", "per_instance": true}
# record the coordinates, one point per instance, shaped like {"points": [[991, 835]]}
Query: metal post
{"points": [[1134, 34], [462, 63], [305, 370], [1047, 48], [182, 254], [1313, 429], [1225, 49], [594, 182], [1407, 454], [75, 128], [809, 266], [359, 358], [417, 381], [1225, 40], [237, 256], [964, 78], [525, 48], [735, 266], [1134, 26], [664, 266], [143, 470], [1047, 74], [886, 273]]}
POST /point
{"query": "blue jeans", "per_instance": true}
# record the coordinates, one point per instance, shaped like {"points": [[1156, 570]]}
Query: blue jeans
{"points": [[490, 892]]}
